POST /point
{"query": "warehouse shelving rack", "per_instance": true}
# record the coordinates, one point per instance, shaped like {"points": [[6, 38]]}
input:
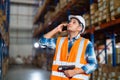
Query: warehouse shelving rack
{"points": [[64, 12], [4, 33], [106, 30]]}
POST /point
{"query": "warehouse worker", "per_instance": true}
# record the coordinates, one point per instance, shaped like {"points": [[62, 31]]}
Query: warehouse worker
{"points": [[71, 50]]}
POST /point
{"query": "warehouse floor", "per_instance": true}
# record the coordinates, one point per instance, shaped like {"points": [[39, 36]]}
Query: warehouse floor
{"points": [[23, 72]]}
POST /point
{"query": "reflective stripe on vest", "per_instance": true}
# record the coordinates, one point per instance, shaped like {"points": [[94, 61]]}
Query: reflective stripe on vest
{"points": [[59, 48], [80, 51], [79, 48], [61, 74], [70, 63]]}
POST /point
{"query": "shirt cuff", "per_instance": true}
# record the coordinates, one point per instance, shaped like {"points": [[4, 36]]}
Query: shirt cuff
{"points": [[89, 68]]}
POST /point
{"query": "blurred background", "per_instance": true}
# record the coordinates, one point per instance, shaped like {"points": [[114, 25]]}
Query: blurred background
{"points": [[23, 22]]}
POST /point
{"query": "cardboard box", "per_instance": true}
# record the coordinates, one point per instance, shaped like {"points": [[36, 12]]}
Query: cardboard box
{"points": [[87, 22], [96, 20], [1, 21], [96, 13], [106, 11], [106, 5], [94, 6], [99, 18], [93, 11], [4, 18], [115, 12], [92, 21], [100, 4], [0, 12], [57, 8], [86, 16], [114, 4], [63, 3], [100, 14], [101, 8], [109, 59], [100, 0]]}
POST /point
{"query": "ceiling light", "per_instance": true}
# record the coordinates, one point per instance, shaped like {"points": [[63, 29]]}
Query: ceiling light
{"points": [[36, 45]]}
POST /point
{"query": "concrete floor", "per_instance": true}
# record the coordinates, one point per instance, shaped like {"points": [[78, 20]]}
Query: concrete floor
{"points": [[20, 72]]}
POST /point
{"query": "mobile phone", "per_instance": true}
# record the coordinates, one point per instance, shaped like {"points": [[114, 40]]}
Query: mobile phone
{"points": [[64, 28]]}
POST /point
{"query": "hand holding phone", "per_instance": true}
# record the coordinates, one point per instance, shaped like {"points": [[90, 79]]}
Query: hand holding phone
{"points": [[64, 28]]}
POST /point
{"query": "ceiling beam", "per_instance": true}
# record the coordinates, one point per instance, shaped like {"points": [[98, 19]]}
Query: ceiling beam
{"points": [[27, 2]]}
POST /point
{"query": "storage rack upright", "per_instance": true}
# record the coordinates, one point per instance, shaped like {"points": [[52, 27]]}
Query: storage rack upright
{"points": [[4, 33]]}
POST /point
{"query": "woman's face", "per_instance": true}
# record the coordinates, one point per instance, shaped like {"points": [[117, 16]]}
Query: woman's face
{"points": [[74, 25]]}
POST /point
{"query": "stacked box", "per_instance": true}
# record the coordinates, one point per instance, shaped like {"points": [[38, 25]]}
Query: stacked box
{"points": [[39, 61], [100, 4], [2, 29], [115, 13], [118, 55], [57, 8], [40, 26], [0, 12], [100, 0], [87, 19], [104, 11], [49, 61], [7, 38], [93, 9], [92, 19], [1, 21], [110, 59], [4, 18], [114, 4], [5, 66], [68, 0], [96, 16], [60, 5], [48, 17], [63, 3], [114, 8]]}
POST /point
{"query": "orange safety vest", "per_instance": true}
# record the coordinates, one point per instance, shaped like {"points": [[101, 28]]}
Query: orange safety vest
{"points": [[76, 57]]}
